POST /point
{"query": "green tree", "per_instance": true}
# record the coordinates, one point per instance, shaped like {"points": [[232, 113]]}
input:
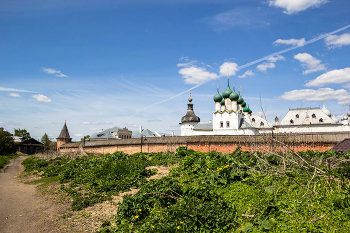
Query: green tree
{"points": [[85, 137], [7, 144], [22, 133], [45, 140]]}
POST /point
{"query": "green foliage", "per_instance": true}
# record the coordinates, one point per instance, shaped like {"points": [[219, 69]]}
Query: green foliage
{"points": [[94, 179], [22, 133], [7, 144], [85, 137], [45, 140], [212, 192], [5, 159]]}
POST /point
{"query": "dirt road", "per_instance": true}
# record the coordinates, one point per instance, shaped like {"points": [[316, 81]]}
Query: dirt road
{"points": [[20, 207]]}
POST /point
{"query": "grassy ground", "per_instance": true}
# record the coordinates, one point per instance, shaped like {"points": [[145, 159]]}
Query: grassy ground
{"points": [[4, 159], [204, 192]]}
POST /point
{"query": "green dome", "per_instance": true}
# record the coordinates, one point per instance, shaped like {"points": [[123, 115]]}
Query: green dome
{"points": [[250, 111], [244, 104], [223, 102], [217, 98], [246, 109], [234, 96], [240, 100], [227, 92]]}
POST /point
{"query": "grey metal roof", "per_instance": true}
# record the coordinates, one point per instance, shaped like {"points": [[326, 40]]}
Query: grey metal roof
{"points": [[106, 134], [204, 126], [64, 132], [245, 125], [147, 133]]}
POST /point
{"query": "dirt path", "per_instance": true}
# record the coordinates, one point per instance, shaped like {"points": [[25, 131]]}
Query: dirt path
{"points": [[20, 207]]}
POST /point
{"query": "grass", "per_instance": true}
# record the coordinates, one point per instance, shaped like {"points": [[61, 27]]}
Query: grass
{"points": [[209, 192], [5, 159]]}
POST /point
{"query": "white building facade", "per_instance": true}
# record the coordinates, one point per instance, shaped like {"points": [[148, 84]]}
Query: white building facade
{"points": [[232, 116]]}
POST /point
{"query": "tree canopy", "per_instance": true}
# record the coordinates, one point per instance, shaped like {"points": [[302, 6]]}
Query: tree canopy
{"points": [[85, 137], [45, 140], [22, 133], [7, 144]]}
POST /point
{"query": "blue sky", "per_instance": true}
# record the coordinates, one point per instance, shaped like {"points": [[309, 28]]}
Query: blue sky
{"points": [[99, 64]]}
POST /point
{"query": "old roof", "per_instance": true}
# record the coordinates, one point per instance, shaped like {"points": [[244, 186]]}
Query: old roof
{"points": [[64, 132], [106, 134], [285, 138], [190, 116], [343, 145]]}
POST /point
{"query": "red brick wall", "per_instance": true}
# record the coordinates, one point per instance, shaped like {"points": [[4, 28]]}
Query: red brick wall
{"points": [[223, 147]]}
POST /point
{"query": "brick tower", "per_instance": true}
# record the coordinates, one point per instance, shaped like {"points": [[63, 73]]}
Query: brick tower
{"points": [[64, 137]]}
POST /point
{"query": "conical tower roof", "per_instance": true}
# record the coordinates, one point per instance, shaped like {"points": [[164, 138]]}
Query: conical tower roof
{"points": [[64, 132]]}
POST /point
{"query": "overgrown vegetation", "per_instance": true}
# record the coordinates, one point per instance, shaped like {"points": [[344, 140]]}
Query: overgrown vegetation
{"points": [[212, 192], [7, 144], [5, 159]]}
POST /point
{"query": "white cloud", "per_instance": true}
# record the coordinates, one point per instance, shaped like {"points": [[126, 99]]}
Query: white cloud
{"points": [[14, 95], [12, 89], [86, 123], [131, 125], [310, 63], [270, 64], [316, 95], [61, 75], [247, 73], [53, 71], [95, 129], [334, 41], [295, 6], [78, 135], [41, 98], [298, 42], [333, 76], [187, 64], [230, 67], [275, 58], [104, 123], [263, 67], [196, 75], [244, 17]]}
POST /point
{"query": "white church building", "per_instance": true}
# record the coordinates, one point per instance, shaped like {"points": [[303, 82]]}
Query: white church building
{"points": [[232, 116]]}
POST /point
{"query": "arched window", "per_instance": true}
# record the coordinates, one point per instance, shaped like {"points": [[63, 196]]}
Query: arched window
{"points": [[321, 120], [297, 116], [313, 115], [253, 119], [261, 123], [291, 121]]}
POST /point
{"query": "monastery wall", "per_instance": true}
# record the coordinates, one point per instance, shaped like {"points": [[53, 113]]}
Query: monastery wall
{"points": [[219, 143]]}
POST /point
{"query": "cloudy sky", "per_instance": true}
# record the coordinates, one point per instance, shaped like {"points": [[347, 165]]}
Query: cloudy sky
{"points": [[126, 63]]}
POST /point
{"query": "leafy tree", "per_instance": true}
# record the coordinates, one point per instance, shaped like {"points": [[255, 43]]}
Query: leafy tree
{"points": [[7, 144], [45, 140], [22, 133], [85, 137]]}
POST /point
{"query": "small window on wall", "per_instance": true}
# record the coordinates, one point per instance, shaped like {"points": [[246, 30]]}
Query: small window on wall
{"points": [[253, 119], [261, 123], [227, 124], [321, 120], [313, 115], [297, 116], [221, 124], [291, 121]]}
